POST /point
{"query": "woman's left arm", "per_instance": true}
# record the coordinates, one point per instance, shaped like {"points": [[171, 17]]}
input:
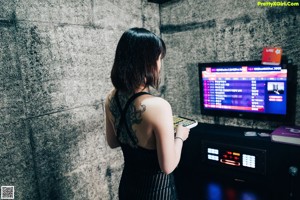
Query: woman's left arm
{"points": [[111, 137]]}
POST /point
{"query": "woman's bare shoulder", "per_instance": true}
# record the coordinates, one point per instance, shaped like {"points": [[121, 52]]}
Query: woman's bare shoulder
{"points": [[109, 96], [156, 102], [156, 106], [111, 93]]}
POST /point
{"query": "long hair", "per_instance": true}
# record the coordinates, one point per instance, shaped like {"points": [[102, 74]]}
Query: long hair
{"points": [[136, 58]]}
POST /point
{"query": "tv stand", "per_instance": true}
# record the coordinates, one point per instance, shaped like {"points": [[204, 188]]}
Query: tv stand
{"points": [[260, 166]]}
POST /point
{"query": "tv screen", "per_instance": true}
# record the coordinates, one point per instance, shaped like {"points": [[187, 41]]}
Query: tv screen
{"points": [[247, 89]]}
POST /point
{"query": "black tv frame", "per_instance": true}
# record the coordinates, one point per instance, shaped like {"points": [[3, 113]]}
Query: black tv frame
{"points": [[288, 119]]}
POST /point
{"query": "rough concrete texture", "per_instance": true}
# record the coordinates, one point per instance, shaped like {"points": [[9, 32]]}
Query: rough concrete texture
{"points": [[55, 62], [214, 31]]}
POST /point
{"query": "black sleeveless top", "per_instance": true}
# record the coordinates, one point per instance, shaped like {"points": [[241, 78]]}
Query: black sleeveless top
{"points": [[142, 178]]}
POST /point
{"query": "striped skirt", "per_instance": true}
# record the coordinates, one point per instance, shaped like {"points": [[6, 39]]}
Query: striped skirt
{"points": [[147, 186]]}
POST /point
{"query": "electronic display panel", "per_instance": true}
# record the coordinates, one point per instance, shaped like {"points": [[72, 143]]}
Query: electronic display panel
{"points": [[245, 89]]}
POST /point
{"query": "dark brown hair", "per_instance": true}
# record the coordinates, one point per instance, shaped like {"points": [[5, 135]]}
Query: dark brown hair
{"points": [[136, 58]]}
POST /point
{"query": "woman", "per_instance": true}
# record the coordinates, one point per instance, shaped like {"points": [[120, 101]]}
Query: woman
{"points": [[140, 123]]}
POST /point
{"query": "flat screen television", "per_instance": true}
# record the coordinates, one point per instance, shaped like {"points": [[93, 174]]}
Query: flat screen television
{"points": [[248, 90]]}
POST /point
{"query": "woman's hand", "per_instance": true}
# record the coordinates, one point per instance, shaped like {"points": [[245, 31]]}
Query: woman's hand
{"points": [[182, 132]]}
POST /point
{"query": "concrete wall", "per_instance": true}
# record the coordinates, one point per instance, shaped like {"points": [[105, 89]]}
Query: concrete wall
{"points": [[225, 30], [55, 61]]}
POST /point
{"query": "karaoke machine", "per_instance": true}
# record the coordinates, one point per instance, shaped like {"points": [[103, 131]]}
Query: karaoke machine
{"points": [[236, 157]]}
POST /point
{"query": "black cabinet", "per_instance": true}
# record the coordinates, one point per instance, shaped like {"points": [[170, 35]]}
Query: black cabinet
{"points": [[219, 162]]}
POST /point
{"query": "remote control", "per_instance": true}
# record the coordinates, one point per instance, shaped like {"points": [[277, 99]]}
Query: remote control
{"points": [[189, 123]]}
